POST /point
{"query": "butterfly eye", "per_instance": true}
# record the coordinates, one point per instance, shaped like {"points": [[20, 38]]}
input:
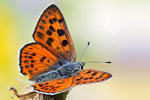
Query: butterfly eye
{"points": [[80, 64]]}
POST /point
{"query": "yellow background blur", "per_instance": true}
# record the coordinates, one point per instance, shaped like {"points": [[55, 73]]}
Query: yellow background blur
{"points": [[119, 30]]}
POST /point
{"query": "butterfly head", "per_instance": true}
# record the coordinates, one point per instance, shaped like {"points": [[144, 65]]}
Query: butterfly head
{"points": [[80, 64]]}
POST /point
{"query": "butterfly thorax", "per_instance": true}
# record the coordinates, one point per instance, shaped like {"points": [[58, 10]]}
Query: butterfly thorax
{"points": [[67, 70], [70, 69]]}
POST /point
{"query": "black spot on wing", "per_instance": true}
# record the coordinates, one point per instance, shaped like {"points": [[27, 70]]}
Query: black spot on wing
{"points": [[32, 65], [40, 85], [43, 21], [49, 13], [100, 76], [40, 35], [42, 59], [48, 61], [78, 82], [30, 71], [60, 32], [30, 57], [60, 20], [85, 78], [54, 19], [79, 78], [26, 66], [52, 28], [90, 77], [54, 10], [26, 53], [51, 21], [57, 86], [64, 43], [33, 54], [26, 61], [46, 16], [93, 74], [49, 32], [41, 27], [49, 41], [26, 56], [88, 72]]}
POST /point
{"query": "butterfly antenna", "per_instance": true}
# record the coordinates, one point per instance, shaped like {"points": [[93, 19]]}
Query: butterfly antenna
{"points": [[84, 51], [98, 62]]}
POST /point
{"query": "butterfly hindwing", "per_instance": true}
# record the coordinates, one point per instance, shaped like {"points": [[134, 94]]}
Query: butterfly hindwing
{"points": [[36, 59], [54, 86], [90, 76], [51, 31], [82, 77]]}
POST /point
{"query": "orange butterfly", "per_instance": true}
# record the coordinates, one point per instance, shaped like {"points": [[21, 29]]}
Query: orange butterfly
{"points": [[50, 61]]}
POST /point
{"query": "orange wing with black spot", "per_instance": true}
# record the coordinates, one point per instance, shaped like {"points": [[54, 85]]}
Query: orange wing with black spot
{"points": [[51, 31], [35, 59], [82, 77], [53, 46], [90, 76], [53, 87]]}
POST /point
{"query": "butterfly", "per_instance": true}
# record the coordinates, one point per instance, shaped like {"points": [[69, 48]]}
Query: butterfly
{"points": [[50, 61]]}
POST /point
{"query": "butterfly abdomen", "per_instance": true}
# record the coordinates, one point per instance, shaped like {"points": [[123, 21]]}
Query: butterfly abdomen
{"points": [[48, 76], [64, 71]]}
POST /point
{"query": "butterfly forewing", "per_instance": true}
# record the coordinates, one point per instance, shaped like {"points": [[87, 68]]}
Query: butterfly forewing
{"points": [[51, 31], [54, 47], [90, 76]]}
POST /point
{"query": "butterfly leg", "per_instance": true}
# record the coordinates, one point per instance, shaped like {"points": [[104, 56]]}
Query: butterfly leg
{"points": [[22, 86], [14, 91], [24, 96], [37, 97]]}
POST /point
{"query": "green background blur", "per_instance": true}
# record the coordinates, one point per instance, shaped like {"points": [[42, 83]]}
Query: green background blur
{"points": [[119, 31]]}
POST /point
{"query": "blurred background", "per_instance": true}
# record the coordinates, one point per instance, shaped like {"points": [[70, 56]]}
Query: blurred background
{"points": [[117, 29]]}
